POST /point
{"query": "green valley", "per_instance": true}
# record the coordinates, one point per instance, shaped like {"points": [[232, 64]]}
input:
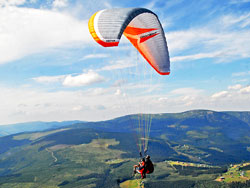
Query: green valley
{"points": [[190, 149]]}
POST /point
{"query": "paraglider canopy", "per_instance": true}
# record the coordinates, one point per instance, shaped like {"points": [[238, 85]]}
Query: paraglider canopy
{"points": [[141, 26]]}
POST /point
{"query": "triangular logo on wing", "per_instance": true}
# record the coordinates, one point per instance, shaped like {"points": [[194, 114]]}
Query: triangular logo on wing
{"points": [[148, 36], [141, 34]]}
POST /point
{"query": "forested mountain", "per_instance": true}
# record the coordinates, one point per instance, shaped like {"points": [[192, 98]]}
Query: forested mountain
{"points": [[94, 154]]}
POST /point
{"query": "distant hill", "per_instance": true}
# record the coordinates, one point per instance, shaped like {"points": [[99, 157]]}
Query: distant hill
{"points": [[32, 126], [93, 154]]}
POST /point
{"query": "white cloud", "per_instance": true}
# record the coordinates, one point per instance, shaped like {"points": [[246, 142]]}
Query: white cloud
{"points": [[97, 91], [236, 94], [231, 20], [100, 107], [235, 87], [235, 91], [84, 79], [239, 74], [186, 91], [163, 99], [11, 2], [236, 98], [60, 3], [118, 92], [26, 104], [195, 56], [218, 39], [49, 79], [220, 94], [72, 80], [150, 5], [241, 81], [107, 5], [245, 90], [95, 56], [24, 31], [77, 108], [239, 1], [120, 64], [188, 100]]}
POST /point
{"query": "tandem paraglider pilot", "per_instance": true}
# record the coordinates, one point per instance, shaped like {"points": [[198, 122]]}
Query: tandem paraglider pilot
{"points": [[144, 167]]}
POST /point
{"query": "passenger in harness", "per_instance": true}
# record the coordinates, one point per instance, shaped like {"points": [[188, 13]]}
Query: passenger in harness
{"points": [[144, 167], [140, 168]]}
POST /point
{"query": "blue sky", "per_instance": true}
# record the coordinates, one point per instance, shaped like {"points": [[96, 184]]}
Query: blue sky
{"points": [[52, 70]]}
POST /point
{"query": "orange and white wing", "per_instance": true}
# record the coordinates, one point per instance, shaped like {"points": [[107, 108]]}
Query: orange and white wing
{"points": [[141, 26]]}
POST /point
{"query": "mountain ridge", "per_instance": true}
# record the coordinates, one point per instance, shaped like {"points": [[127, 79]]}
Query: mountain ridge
{"points": [[103, 153], [42, 125]]}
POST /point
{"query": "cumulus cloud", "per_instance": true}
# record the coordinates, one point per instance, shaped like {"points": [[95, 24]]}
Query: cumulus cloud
{"points": [[237, 97], [245, 90], [235, 87], [49, 79], [220, 94], [72, 80], [24, 31], [234, 93], [232, 99], [84, 79]]}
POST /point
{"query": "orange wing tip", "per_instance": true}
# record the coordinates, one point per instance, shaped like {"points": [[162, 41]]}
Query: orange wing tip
{"points": [[107, 44], [163, 73]]}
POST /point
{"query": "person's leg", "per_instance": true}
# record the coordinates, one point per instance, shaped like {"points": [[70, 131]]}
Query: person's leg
{"points": [[135, 166], [138, 170]]}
